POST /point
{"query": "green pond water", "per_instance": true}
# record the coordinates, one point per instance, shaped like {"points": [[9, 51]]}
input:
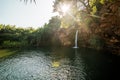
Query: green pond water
{"points": [[57, 64]]}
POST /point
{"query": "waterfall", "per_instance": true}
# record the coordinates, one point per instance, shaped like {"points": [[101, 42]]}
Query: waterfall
{"points": [[76, 36]]}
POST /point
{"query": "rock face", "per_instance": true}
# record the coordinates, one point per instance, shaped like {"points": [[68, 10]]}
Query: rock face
{"points": [[110, 25]]}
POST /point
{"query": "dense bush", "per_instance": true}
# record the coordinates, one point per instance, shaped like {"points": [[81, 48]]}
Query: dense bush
{"points": [[96, 42], [13, 37], [14, 44]]}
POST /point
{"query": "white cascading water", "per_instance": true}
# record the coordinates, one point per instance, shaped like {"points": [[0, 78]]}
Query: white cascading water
{"points": [[76, 36]]}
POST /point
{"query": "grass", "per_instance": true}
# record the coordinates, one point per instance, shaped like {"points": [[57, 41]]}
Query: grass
{"points": [[6, 52]]}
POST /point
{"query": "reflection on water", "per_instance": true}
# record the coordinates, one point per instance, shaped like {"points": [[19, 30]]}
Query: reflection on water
{"points": [[66, 68], [54, 64]]}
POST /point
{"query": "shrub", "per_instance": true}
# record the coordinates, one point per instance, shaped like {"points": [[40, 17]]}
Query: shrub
{"points": [[14, 44], [96, 42]]}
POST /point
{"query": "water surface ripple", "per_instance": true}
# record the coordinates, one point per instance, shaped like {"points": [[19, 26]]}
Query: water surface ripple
{"points": [[55, 64]]}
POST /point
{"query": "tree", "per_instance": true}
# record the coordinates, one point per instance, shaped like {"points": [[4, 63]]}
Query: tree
{"points": [[29, 0]]}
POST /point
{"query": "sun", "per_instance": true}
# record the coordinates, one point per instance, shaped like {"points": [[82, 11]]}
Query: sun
{"points": [[65, 8]]}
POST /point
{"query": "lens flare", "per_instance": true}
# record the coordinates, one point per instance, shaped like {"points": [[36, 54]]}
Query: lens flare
{"points": [[65, 8]]}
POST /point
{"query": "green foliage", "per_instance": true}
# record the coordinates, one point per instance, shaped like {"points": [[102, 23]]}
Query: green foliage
{"points": [[12, 37], [74, 17], [102, 1], [94, 9], [96, 42], [29, 0], [51, 34], [14, 44], [5, 52]]}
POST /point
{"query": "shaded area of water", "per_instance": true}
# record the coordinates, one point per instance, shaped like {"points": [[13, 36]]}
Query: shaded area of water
{"points": [[57, 64]]}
